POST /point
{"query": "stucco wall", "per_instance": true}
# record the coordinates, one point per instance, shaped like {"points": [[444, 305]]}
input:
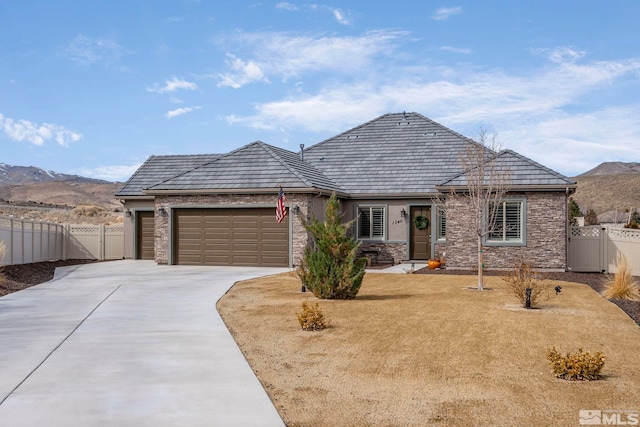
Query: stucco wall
{"points": [[546, 222], [162, 238], [129, 224]]}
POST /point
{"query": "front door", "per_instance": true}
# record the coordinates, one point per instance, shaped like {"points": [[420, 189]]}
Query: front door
{"points": [[420, 234], [145, 235]]}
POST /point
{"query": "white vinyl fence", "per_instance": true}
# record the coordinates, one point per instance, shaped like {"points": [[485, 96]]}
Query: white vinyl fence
{"points": [[29, 241], [595, 248]]}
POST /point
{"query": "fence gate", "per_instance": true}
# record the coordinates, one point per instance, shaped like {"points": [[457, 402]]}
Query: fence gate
{"points": [[585, 249], [595, 249]]}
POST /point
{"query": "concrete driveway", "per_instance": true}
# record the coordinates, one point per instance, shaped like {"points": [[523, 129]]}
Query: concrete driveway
{"points": [[127, 343]]}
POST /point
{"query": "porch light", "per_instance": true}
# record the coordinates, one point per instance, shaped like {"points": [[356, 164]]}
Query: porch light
{"points": [[403, 213], [162, 211], [127, 213], [295, 210]]}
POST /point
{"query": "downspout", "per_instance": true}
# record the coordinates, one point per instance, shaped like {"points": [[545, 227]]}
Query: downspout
{"points": [[566, 229]]}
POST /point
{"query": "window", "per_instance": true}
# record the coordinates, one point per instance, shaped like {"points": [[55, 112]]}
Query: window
{"points": [[371, 223], [441, 224], [509, 223]]}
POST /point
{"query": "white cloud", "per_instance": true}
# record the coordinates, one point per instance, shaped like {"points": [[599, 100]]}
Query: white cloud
{"points": [[338, 14], [172, 85], [24, 130], [86, 51], [115, 173], [341, 17], [562, 54], [286, 6], [242, 73], [288, 55], [446, 12], [551, 113], [456, 49], [180, 111]]}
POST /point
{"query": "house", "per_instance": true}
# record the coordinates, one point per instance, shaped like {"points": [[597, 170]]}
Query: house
{"points": [[220, 209]]}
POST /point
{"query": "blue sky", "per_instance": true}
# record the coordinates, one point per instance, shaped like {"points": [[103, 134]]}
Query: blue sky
{"points": [[94, 87]]}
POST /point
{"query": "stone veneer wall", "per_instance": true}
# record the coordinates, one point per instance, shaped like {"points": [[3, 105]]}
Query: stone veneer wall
{"points": [[300, 238], [546, 216], [395, 251]]}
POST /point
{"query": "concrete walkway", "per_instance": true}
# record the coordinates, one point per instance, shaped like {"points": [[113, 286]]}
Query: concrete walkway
{"points": [[127, 343]]}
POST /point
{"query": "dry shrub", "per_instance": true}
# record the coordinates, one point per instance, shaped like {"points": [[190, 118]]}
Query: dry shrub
{"points": [[523, 277], [89, 210], [311, 318], [622, 286], [579, 366]]}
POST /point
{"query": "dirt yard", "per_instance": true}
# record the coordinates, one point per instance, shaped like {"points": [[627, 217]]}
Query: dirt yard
{"points": [[422, 349]]}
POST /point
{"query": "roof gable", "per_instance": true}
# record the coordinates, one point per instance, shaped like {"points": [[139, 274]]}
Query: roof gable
{"points": [[255, 166]]}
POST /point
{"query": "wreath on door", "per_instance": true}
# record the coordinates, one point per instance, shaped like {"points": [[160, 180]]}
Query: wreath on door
{"points": [[421, 222]]}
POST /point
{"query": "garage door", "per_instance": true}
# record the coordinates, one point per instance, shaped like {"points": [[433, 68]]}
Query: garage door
{"points": [[144, 235], [250, 237]]}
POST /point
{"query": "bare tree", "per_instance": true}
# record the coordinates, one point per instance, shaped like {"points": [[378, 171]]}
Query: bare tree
{"points": [[484, 182]]}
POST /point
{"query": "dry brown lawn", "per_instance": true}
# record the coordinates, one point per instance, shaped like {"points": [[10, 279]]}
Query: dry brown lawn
{"points": [[416, 350]]}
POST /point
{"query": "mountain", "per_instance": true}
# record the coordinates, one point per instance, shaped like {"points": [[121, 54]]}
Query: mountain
{"points": [[35, 193], [18, 175], [611, 187], [613, 168]]}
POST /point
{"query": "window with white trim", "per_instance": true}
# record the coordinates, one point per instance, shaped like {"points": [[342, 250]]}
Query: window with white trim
{"points": [[441, 224], [509, 222], [371, 222]]}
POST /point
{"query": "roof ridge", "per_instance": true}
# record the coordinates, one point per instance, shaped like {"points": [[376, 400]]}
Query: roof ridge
{"points": [[347, 131], [443, 126], [494, 156], [188, 170], [269, 149], [136, 172], [404, 114], [536, 164]]}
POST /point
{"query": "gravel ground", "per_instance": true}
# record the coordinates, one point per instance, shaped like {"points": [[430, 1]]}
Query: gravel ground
{"points": [[595, 280], [17, 277]]}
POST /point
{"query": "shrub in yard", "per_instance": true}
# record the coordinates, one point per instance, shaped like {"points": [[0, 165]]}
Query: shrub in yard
{"points": [[311, 318], [622, 286], [523, 277], [578, 366], [330, 267]]}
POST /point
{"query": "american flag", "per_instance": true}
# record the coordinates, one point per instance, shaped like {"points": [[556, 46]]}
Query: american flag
{"points": [[281, 212]]}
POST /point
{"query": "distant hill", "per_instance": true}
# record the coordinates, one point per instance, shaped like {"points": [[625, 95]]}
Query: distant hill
{"points": [[610, 187], [18, 175], [613, 168], [35, 193]]}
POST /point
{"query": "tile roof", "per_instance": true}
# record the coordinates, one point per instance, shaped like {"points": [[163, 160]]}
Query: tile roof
{"points": [[520, 171], [399, 153], [159, 168], [255, 166]]}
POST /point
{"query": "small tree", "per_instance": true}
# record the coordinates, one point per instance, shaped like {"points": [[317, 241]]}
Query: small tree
{"points": [[330, 267], [574, 212], [487, 182], [634, 220], [590, 217]]}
